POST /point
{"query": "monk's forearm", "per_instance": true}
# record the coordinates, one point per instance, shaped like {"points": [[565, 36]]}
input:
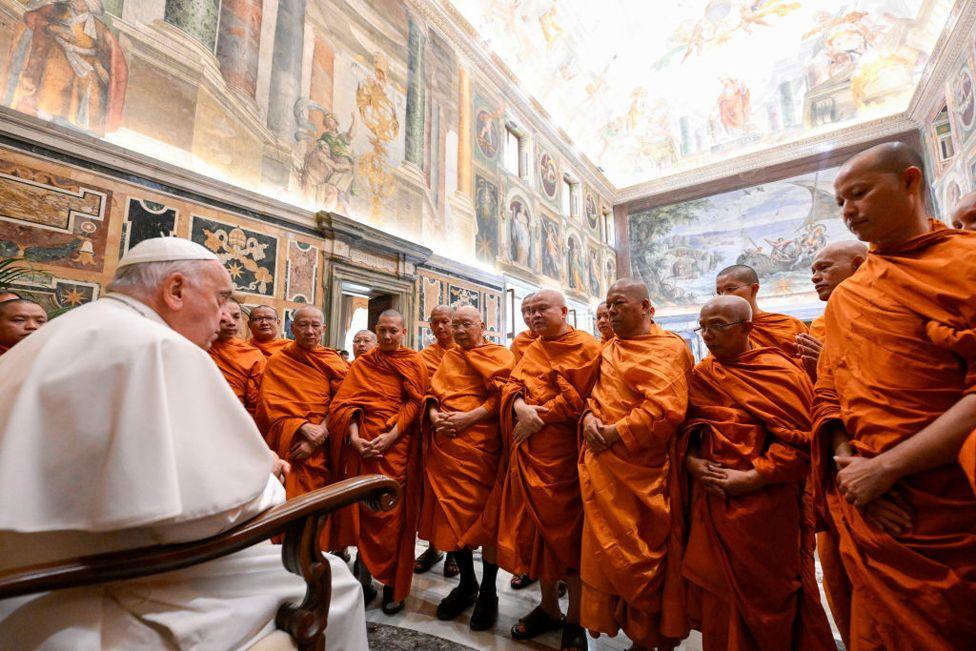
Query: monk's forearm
{"points": [[479, 414], [936, 445], [781, 464], [408, 414], [491, 405], [840, 442]]}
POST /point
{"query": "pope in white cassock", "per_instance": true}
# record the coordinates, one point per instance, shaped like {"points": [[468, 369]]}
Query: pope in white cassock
{"points": [[117, 431]]}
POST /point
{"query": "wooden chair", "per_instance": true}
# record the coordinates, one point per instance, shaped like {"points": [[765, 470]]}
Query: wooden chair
{"points": [[298, 519]]}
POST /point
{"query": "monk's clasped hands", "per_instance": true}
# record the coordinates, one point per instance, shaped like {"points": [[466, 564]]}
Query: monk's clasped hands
{"points": [[862, 479], [529, 420]]}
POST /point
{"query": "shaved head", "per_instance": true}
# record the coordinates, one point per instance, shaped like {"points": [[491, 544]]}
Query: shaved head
{"points": [[230, 320], [19, 318], [468, 312], [363, 342], [739, 280], [308, 311], [603, 321], [963, 213], [526, 306], [732, 306], [307, 326], [468, 327], [441, 310], [742, 272], [390, 330], [889, 157], [547, 314], [440, 325], [834, 264], [632, 287], [629, 308], [263, 323], [726, 322], [8, 296], [550, 296]]}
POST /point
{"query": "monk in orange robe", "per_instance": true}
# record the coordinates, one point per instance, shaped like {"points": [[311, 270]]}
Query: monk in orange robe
{"points": [[633, 417], [541, 512], [296, 391], [440, 325], [769, 329], [463, 454], [603, 322], [525, 338], [19, 318], [241, 364], [375, 411], [964, 213], [747, 450], [363, 342], [894, 403], [263, 324]]}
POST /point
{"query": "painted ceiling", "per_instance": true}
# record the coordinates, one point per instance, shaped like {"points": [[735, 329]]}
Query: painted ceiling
{"points": [[649, 88]]}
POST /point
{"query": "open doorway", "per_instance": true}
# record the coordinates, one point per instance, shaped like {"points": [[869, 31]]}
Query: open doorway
{"points": [[360, 307]]}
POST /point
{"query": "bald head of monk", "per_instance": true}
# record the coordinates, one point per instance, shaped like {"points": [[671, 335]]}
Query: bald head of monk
{"points": [[603, 321], [963, 214], [739, 280], [629, 307], [389, 330], [726, 322], [468, 327], [263, 323], [547, 314], [230, 320], [19, 318], [834, 264], [526, 309], [440, 324], [881, 194], [8, 296], [307, 325], [363, 342]]}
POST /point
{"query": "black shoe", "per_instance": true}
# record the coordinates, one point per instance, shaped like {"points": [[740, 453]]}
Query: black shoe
{"points": [[456, 603], [391, 607], [485, 613]]}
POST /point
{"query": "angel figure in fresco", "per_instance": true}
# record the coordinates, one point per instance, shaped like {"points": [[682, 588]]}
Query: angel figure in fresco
{"points": [[551, 29], [66, 65], [327, 170]]}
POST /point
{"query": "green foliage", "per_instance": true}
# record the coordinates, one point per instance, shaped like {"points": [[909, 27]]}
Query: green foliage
{"points": [[13, 270]]}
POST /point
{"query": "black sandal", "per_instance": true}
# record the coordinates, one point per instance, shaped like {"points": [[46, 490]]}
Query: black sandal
{"points": [[536, 623], [391, 607], [455, 603], [451, 568], [521, 581], [427, 560], [574, 637], [485, 613]]}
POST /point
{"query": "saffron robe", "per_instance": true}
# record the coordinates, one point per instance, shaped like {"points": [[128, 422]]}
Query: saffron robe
{"points": [[773, 330], [380, 391], [898, 353], [522, 341], [745, 555], [432, 356], [818, 328], [460, 473], [270, 347], [242, 365], [625, 568], [540, 512]]}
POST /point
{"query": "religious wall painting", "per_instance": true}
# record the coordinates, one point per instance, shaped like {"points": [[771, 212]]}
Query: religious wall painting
{"points": [[247, 255], [611, 274], [521, 237], [963, 93], [951, 195], [301, 272], [486, 211], [326, 173], [52, 220], [575, 268], [591, 208], [144, 220], [379, 114], [972, 172], [552, 254], [487, 132], [458, 296], [548, 175], [593, 272], [66, 65], [776, 228]]}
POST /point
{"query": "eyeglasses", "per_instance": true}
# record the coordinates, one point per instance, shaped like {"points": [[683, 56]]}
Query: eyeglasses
{"points": [[728, 290], [258, 319], [717, 326]]}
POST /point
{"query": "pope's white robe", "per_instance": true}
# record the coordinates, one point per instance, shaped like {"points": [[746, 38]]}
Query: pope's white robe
{"points": [[116, 432]]}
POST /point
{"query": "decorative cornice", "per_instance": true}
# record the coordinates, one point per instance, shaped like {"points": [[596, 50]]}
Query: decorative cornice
{"points": [[464, 38], [743, 165], [455, 269], [339, 227], [953, 44]]}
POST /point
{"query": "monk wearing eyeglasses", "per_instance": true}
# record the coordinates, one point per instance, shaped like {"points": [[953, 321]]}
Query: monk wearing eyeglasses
{"points": [[263, 324]]}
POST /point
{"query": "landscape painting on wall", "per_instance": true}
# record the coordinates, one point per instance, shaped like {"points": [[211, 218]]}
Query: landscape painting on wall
{"points": [[776, 228]]}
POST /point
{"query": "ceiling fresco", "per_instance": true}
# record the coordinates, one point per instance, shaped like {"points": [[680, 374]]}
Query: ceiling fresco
{"points": [[646, 91]]}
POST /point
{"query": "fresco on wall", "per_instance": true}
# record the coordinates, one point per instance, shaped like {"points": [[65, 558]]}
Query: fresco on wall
{"points": [[964, 103], [247, 255], [575, 271], [591, 208], [646, 92], [521, 243], [302, 269], [487, 133], [486, 208], [776, 228], [548, 175], [593, 272], [551, 248]]}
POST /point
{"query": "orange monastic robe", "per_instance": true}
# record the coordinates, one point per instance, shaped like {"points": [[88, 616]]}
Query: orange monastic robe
{"points": [[432, 356], [744, 556], [522, 341], [818, 328], [297, 387], [772, 330], [899, 352], [643, 389], [269, 348], [3, 349], [461, 472], [380, 391], [242, 366], [541, 513], [967, 459]]}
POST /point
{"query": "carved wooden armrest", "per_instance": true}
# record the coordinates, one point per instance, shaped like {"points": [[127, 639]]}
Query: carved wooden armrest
{"points": [[299, 519]]}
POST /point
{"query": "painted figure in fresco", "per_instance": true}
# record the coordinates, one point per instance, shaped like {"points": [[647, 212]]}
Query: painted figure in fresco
{"points": [[550, 249], [548, 174], [327, 171], [65, 65], [486, 208], [487, 133], [521, 239], [379, 115], [733, 105], [595, 273], [574, 259]]}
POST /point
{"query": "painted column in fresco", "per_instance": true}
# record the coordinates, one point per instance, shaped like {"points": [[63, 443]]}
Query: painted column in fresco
{"points": [[323, 72], [238, 44], [198, 18], [464, 132], [286, 70], [415, 95]]}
